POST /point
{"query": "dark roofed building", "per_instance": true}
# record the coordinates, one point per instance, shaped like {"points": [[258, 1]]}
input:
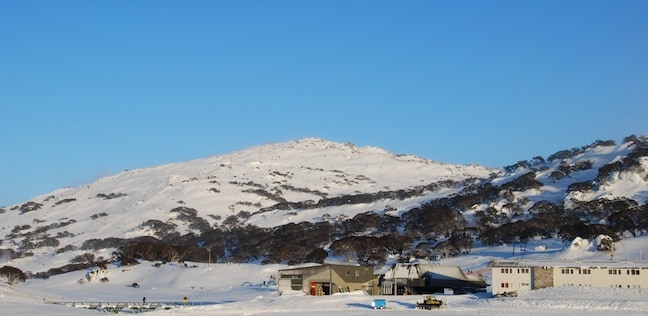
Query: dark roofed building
{"points": [[418, 278]]}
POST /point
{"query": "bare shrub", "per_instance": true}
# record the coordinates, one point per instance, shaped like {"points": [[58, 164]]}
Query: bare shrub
{"points": [[83, 258], [64, 201], [29, 207], [95, 216], [111, 195]]}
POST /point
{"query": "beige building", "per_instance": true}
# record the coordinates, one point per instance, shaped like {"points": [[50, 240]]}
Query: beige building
{"points": [[329, 279], [512, 276]]}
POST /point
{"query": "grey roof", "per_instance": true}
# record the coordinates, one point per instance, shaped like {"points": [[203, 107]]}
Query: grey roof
{"points": [[570, 263]]}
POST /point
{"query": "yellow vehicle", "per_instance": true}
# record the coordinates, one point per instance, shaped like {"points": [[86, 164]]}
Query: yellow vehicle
{"points": [[429, 302]]}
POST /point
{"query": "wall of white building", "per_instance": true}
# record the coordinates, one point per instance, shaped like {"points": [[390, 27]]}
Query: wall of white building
{"points": [[601, 277], [511, 279], [517, 278]]}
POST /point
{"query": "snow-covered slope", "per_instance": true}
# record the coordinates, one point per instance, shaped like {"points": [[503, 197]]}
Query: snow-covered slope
{"points": [[247, 181], [304, 180], [237, 289], [603, 170]]}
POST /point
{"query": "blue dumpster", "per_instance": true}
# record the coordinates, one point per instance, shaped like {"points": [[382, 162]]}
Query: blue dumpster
{"points": [[379, 304]]}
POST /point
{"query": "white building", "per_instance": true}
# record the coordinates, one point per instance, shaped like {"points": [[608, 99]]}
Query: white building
{"points": [[512, 276]]}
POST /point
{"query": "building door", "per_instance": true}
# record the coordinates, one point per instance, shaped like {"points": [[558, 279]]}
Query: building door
{"points": [[313, 288], [325, 289]]}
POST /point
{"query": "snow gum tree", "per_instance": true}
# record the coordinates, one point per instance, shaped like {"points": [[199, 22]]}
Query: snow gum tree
{"points": [[12, 275]]}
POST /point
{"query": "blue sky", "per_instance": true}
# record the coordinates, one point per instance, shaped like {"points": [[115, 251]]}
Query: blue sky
{"points": [[91, 88]]}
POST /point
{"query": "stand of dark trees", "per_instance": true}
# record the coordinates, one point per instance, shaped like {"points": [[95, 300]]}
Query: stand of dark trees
{"points": [[435, 228]]}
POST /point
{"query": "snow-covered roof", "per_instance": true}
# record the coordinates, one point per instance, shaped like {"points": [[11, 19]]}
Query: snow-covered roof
{"points": [[572, 263], [415, 271]]}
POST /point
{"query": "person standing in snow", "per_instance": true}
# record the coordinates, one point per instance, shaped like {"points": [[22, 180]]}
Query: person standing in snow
{"points": [[144, 300]]}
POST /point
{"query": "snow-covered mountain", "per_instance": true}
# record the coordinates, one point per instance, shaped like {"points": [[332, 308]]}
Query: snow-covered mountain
{"points": [[245, 182], [314, 181]]}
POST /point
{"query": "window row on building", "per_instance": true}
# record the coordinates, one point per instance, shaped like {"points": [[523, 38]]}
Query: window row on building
{"points": [[506, 285], [628, 272], [578, 271], [519, 270], [630, 286]]}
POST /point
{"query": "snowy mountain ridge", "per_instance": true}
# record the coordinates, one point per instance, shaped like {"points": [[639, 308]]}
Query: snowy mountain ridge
{"points": [[254, 178], [308, 180], [217, 187]]}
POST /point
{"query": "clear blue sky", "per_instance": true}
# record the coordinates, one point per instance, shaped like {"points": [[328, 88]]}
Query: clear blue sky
{"points": [[91, 88]]}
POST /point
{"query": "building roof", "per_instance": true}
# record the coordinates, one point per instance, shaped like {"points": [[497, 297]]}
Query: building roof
{"points": [[324, 266], [570, 263], [415, 271]]}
